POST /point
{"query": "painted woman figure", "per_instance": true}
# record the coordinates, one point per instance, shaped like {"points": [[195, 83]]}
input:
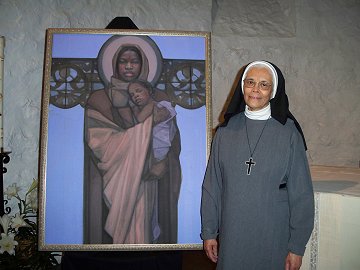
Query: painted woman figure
{"points": [[122, 207]]}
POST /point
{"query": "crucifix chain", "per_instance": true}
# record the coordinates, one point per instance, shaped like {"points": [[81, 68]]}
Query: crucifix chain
{"points": [[251, 161]]}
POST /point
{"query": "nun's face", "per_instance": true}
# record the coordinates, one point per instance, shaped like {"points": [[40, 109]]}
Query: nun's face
{"points": [[257, 92]]}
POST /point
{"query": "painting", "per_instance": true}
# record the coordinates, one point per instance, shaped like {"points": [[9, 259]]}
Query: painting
{"points": [[125, 137]]}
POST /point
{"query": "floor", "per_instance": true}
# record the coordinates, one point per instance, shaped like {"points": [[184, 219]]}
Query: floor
{"points": [[196, 260], [164, 260]]}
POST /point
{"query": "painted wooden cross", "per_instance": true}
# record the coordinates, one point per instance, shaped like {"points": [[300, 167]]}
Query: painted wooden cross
{"points": [[250, 163]]}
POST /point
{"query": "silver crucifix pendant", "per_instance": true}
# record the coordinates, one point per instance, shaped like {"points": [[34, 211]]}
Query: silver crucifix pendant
{"points": [[250, 163]]}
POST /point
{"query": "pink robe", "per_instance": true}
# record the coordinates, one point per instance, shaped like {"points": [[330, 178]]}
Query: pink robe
{"points": [[132, 202]]}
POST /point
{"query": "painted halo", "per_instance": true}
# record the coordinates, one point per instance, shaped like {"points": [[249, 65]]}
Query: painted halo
{"points": [[148, 46]]}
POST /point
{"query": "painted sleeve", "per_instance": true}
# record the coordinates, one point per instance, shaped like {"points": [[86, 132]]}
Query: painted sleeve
{"points": [[211, 193], [301, 197]]}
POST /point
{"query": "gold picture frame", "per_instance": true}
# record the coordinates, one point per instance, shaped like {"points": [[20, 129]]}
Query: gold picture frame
{"points": [[125, 136]]}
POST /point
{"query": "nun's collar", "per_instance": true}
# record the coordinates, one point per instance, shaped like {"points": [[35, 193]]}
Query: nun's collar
{"points": [[262, 114]]}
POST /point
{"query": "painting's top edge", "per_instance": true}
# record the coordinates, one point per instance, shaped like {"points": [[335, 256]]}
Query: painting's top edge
{"points": [[126, 31]]}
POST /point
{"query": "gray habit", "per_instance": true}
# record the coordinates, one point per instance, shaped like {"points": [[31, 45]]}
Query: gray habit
{"points": [[259, 217]]}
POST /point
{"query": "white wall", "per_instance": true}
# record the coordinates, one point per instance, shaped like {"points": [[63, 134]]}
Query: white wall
{"points": [[314, 42], [316, 45]]}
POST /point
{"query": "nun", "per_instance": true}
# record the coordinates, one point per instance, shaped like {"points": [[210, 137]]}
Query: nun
{"points": [[257, 206]]}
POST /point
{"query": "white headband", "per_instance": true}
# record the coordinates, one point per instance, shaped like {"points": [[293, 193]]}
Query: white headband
{"points": [[266, 65]]}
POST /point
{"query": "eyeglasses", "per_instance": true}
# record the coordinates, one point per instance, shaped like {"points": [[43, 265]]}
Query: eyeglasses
{"points": [[249, 83]]}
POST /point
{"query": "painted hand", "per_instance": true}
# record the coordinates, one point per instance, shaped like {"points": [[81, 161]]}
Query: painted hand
{"points": [[160, 114]]}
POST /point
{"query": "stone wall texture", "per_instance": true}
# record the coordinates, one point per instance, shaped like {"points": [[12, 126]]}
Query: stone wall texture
{"points": [[314, 42]]}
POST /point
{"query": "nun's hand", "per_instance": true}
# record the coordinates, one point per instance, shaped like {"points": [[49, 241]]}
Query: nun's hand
{"points": [[293, 261], [211, 249]]}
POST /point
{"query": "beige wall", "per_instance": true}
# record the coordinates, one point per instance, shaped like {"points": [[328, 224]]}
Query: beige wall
{"points": [[314, 42]]}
